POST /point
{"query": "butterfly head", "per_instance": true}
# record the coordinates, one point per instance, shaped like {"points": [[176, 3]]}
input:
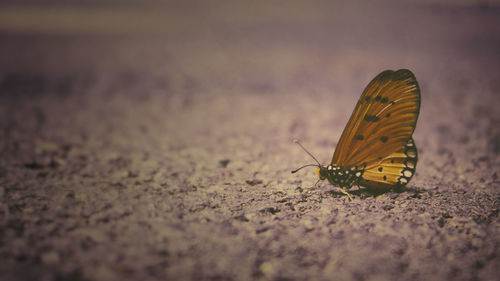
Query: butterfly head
{"points": [[322, 172]]}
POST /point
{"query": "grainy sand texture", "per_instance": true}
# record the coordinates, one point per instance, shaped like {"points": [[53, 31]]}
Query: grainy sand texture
{"points": [[153, 140]]}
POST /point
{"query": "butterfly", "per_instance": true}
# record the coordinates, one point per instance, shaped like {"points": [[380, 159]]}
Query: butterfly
{"points": [[376, 148]]}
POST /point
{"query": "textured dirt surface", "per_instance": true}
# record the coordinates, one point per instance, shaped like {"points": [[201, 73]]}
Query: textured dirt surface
{"points": [[162, 150]]}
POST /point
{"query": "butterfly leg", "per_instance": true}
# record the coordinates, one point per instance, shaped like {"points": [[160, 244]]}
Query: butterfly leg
{"points": [[346, 193], [314, 185]]}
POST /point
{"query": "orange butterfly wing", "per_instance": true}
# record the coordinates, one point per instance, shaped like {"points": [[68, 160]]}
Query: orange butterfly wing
{"points": [[380, 129], [396, 169]]}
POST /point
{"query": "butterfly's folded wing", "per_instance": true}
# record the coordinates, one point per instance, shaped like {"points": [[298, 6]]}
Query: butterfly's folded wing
{"points": [[381, 124], [394, 170]]}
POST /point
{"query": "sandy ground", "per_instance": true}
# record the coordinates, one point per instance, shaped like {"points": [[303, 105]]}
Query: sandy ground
{"points": [[159, 148]]}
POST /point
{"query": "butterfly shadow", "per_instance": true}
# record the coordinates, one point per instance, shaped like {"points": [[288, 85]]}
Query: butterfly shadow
{"points": [[371, 192]]}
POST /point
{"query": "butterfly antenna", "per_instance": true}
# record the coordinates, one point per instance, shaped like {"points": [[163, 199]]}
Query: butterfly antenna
{"points": [[308, 165], [297, 142]]}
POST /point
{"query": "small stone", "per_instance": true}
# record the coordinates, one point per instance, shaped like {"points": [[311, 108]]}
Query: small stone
{"points": [[241, 218], [266, 268], [50, 258], [46, 146], [388, 207], [253, 182], [224, 162]]}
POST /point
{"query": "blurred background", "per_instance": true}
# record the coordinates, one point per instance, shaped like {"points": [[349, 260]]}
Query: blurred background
{"points": [[212, 54], [231, 44]]}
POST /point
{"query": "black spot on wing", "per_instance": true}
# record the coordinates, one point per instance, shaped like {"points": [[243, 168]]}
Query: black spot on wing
{"points": [[377, 98], [371, 118], [384, 100], [383, 138], [359, 137], [380, 169]]}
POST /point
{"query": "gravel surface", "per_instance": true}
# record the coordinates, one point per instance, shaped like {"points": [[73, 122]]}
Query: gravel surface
{"points": [[160, 148]]}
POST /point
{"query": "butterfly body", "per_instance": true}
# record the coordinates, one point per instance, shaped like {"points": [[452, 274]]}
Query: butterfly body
{"points": [[341, 176], [376, 148]]}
